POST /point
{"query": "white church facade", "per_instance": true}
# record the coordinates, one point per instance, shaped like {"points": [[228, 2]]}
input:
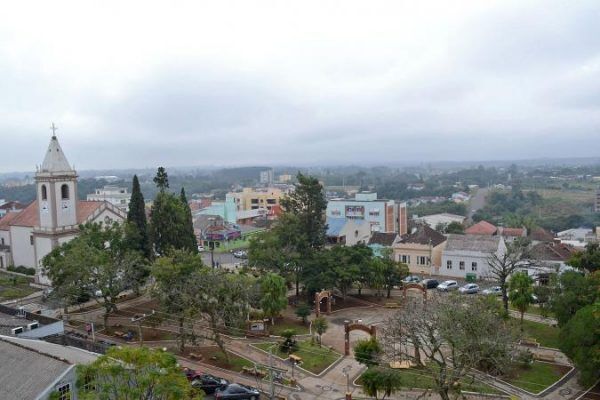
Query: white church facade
{"points": [[53, 218]]}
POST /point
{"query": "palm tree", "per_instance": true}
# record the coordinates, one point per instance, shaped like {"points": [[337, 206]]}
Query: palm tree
{"points": [[521, 292], [320, 326]]}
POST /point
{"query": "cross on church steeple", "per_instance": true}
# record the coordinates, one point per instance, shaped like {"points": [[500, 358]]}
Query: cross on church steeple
{"points": [[54, 129]]}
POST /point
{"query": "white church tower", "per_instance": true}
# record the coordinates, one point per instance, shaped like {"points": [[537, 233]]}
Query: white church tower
{"points": [[56, 190]]}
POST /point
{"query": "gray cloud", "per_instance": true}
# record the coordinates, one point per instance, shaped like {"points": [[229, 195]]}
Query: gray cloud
{"points": [[511, 81]]}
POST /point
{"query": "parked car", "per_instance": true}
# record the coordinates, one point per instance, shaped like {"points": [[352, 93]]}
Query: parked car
{"points": [[237, 391], [209, 383], [240, 254], [494, 290], [447, 286], [191, 374], [201, 249], [430, 283], [411, 279], [469, 288]]}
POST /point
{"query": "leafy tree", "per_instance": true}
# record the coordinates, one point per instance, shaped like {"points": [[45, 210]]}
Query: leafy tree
{"points": [[454, 334], [161, 180], [303, 311], [134, 373], [188, 240], [289, 344], [381, 380], [521, 292], [98, 260], [588, 260], [503, 265], [138, 235], [174, 287], [454, 227], [574, 292], [320, 326], [274, 295], [392, 272], [580, 340], [367, 352]]}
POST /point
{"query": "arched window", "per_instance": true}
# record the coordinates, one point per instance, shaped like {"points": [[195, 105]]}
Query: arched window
{"points": [[64, 192], [44, 193]]}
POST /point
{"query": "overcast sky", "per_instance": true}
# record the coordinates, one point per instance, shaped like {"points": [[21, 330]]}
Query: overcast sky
{"points": [[298, 82]]}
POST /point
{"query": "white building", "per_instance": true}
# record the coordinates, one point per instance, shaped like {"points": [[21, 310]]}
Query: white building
{"points": [[347, 232], [115, 195], [439, 219], [470, 254], [266, 176], [53, 218]]}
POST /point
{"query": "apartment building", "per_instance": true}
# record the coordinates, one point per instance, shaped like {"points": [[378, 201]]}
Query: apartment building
{"points": [[115, 195], [382, 215], [254, 199]]}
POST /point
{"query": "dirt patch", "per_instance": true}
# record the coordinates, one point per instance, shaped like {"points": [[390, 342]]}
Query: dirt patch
{"points": [[212, 355]]}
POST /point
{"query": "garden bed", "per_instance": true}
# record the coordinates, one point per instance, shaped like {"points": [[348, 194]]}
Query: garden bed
{"points": [[537, 376], [15, 286], [545, 335], [417, 378], [315, 359], [284, 323], [212, 355]]}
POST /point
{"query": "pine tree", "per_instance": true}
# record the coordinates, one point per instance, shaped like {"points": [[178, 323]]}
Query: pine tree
{"points": [[161, 179], [188, 238], [138, 235]]}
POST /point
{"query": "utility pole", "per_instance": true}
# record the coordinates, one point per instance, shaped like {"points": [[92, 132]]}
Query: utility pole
{"points": [[139, 324]]}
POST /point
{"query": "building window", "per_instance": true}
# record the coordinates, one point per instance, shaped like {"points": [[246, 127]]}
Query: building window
{"points": [[64, 192], [405, 259], [271, 201], [461, 265], [336, 212], [473, 266], [449, 264], [254, 201], [64, 392], [44, 193], [2, 241], [374, 212], [31, 240], [421, 260]]}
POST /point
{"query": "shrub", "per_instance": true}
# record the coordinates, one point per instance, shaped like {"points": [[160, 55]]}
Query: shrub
{"points": [[21, 269]]}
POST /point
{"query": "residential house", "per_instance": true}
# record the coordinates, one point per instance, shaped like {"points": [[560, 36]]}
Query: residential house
{"points": [[347, 232], [382, 240], [11, 206], [482, 228], [421, 250], [470, 254], [35, 369], [115, 195], [549, 258]]}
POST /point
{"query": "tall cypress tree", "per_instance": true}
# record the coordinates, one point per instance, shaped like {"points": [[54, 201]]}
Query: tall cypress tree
{"points": [[188, 236], [136, 218]]}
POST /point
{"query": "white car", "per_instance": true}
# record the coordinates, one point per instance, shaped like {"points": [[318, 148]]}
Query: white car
{"points": [[469, 288], [201, 249], [447, 286], [494, 290]]}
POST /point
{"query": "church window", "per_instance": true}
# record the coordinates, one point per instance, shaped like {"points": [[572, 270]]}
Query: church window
{"points": [[31, 240], [44, 193], [64, 192]]}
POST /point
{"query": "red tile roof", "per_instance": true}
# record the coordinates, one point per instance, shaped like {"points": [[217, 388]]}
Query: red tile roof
{"points": [[30, 216], [13, 205], [7, 219], [516, 232], [481, 228]]}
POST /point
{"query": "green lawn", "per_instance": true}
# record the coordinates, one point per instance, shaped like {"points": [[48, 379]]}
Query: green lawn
{"points": [[14, 286], [418, 378], [537, 377], [545, 335], [533, 310], [314, 358], [282, 325]]}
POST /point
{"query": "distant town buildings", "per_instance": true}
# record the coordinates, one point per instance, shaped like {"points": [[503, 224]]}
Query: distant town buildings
{"points": [[442, 219], [115, 195], [381, 215], [421, 250], [597, 202], [255, 198], [266, 176], [469, 255], [348, 232], [10, 206]]}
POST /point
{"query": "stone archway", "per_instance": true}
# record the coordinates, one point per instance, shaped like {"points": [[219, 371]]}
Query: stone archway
{"points": [[323, 294], [350, 326], [416, 286]]}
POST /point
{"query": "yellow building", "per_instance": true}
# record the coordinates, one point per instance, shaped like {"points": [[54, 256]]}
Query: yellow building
{"points": [[253, 199], [421, 250]]}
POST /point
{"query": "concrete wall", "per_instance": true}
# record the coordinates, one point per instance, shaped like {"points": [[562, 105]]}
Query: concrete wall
{"points": [[22, 249]]}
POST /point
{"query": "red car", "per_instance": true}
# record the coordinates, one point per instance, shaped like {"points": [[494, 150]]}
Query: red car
{"points": [[190, 374]]}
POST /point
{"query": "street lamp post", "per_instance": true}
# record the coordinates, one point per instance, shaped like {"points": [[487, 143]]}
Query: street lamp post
{"points": [[346, 371]]}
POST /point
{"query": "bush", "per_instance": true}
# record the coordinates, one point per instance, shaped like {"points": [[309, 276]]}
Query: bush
{"points": [[22, 270], [289, 345]]}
